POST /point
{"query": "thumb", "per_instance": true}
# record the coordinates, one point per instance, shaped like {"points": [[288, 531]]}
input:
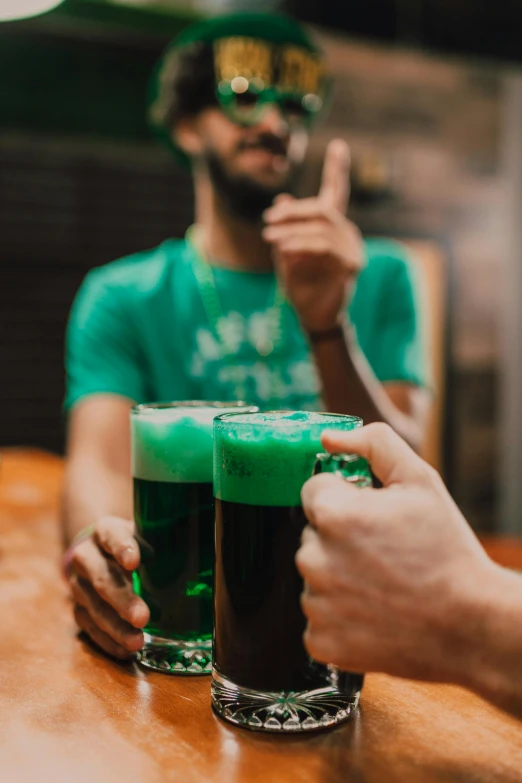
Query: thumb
{"points": [[335, 181], [391, 459], [116, 537]]}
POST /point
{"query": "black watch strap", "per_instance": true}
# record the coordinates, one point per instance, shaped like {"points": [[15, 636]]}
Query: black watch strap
{"points": [[327, 335]]}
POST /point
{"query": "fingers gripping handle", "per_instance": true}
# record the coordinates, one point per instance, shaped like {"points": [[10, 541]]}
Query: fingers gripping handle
{"points": [[355, 470]]}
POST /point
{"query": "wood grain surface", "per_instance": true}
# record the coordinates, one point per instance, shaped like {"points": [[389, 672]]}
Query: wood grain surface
{"points": [[70, 715]]}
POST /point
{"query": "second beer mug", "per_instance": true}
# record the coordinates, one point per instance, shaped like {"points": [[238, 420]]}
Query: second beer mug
{"points": [[174, 516], [262, 677]]}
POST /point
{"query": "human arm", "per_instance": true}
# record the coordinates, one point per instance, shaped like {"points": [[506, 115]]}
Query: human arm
{"points": [[97, 477], [319, 254], [350, 385], [397, 582], [98, 495], [101, 367]]}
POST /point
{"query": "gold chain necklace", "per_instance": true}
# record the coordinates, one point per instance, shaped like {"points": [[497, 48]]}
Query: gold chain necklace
{"points": [[265, 345]]}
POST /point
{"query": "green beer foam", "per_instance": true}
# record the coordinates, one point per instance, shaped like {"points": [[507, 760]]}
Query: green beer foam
{"points": [[263, 459], [173, 444]]}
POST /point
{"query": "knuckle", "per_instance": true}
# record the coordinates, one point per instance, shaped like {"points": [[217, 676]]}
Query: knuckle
{"points": [[307, 536], [116, 577], [323, 581], [322, 510], [100, 584], [325, 481], [300, 556], [316, 645], [312, 606], [309, 637], [106, 620], [102, 530], [286, 209], [303, 560], [314, 568], [305, 603]]}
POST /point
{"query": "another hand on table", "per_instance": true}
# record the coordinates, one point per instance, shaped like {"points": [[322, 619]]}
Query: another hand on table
{"points": [[318, 252], [395, 580], [100, 576]]}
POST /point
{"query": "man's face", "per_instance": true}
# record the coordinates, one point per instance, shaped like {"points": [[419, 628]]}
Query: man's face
{"points": [[249, 166]]}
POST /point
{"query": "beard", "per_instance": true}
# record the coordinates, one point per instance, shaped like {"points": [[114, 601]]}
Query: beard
{"points": [[242, 195]]}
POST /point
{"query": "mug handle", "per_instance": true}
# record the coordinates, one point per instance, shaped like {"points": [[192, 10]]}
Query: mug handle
{"points": [[355, 470]]}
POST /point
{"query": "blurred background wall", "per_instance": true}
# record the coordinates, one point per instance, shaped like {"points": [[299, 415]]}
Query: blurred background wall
{"points": [[423, 94]]}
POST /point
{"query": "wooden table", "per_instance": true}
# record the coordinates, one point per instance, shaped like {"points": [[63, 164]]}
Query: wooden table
{"points": [[70, 715]]}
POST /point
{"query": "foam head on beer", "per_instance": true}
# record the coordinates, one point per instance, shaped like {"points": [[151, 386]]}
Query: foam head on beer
{"points": [[265, 458], [174, 517], [173, 444]]}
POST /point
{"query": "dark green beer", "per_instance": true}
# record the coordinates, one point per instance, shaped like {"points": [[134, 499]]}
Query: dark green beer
{"points": [[174, 516], [259, 622], [263, 677], [355, 470], [175, 523]]}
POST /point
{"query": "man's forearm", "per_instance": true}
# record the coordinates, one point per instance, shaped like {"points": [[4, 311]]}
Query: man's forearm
{"points": [[350, 386], [91, 492], [492, 666]]}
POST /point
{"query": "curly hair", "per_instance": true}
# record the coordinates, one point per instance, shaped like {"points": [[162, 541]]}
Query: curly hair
{"points": [[185, 85]]}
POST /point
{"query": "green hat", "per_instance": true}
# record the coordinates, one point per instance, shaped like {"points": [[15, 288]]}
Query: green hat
{"points": [[251, 60], [267, 27]]}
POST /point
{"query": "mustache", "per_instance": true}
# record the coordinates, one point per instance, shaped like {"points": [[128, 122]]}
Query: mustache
{"points": [[267, 142]]}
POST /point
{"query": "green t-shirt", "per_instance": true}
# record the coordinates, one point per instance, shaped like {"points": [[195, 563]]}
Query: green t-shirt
{"points": [[138, 328]]}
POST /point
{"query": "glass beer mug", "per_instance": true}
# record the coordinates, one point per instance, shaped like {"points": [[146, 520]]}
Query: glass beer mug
{"points": [[263, 679]]}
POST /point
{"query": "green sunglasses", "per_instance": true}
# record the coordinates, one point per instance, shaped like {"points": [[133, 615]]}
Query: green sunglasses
{"points": [[246, 103]]}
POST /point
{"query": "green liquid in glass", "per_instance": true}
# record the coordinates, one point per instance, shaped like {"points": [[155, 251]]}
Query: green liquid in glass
{"points": [[174, 515], [176, 525], [261, 462]]}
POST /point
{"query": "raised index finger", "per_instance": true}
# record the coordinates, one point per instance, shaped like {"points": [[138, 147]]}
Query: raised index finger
{"points": [[335, 181]]}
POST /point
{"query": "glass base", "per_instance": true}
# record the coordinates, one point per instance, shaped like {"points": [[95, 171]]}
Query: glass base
{"points": [[281, 713], [175, 656]]}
